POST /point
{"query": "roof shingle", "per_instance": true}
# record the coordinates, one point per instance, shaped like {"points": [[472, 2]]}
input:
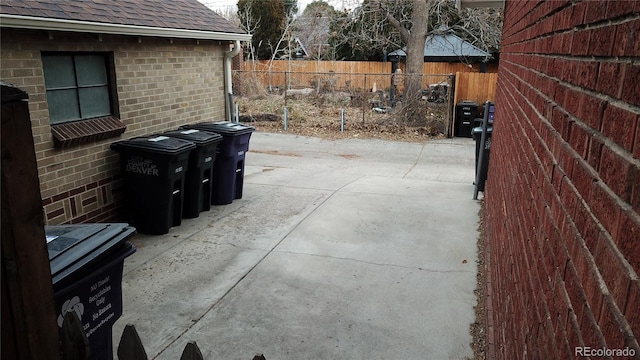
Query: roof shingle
{"points": [[171, 14]]}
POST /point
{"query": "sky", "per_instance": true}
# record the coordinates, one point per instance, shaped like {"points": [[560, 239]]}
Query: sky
{"points": [[224, 4]]}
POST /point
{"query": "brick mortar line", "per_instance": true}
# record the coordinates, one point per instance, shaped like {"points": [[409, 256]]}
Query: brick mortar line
{"points": [[581, 242], [621, 19], [538, 21], [619, 150], [631, 60], [621, 203], [80, 190]]}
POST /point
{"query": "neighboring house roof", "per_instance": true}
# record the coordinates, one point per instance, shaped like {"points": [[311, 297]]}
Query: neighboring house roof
{"points": [[165, 18], [447, 46]]}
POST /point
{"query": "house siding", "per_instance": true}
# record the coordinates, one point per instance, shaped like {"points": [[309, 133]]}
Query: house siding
{"points": [[161, 84], [563, 189]]}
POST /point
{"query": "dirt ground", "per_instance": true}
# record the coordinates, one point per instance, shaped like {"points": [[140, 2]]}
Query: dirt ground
{"points": [[479, 328], [321, 117]]}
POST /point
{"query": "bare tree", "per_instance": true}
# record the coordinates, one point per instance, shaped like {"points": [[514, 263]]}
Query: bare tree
{"points": [[414, 37], [312, 28], [381, 25], [249, 23], [228, 12]]}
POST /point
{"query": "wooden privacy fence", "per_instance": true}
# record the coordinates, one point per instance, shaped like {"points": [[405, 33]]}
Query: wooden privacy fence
{"points": [[358, 67], [470, 84], [75, 344], [475, 87], [478, 87]]}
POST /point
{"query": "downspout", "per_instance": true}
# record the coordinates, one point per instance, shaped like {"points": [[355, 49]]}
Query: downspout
{"points": [[228, 80]]}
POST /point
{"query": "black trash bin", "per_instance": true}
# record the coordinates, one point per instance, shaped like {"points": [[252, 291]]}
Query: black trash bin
{"points": [[477, 136], [228, 170], [153, 168], [86, 269], [199, 175], [466, 112]]}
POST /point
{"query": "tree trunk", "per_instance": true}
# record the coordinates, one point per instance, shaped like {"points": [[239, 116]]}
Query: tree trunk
{"points": [[415, 60]]}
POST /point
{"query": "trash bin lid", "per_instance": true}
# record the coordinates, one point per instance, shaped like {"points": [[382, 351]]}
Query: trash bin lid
{"points": [[154, 143], [73, 247], [195, 136], [223, 128], [476, 132]]}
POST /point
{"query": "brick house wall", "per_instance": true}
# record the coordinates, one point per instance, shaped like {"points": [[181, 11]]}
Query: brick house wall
{"points": [[563, 194], [161, 84]]}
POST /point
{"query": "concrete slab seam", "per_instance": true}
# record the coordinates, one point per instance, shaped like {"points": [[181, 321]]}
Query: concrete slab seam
{"points": [[232, 287], [416, 162], [374, 263]]}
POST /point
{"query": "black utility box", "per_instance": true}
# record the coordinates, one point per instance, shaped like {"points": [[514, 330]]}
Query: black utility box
{"points": [[154, 168], [86, 269], [199, 175], [466, 112], [228, 169]]}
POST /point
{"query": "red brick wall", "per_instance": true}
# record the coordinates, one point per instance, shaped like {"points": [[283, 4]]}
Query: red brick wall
{"points": [[563, 193]]}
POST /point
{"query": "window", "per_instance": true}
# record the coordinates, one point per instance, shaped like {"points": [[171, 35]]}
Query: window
{"points": [[77, 87], [80, 98]]}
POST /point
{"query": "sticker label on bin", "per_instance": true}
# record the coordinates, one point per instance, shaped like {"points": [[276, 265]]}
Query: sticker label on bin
{"points": [[140, 165], [208, 159], [179, 169], [187, 132], [240, 153], [158, 138], [94, 307]]}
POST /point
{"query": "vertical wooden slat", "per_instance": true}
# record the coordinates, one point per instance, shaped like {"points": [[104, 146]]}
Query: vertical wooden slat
{"points": [[26, 276], [130, 346], [191, 352], [75, 345]]}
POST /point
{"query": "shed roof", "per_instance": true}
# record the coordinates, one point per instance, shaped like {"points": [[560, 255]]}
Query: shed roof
{"points": [[132, 17], [447, 46]]}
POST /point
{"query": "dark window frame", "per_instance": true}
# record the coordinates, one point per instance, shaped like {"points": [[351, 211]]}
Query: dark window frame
{"points": [[84, 130]]}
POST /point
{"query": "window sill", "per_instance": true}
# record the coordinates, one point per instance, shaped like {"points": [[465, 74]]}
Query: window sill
{"points": [[85, 131]]}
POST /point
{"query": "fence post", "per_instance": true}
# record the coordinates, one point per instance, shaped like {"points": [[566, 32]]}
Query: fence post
{"points": [[452, 88], [287, 79], [364, 91], [286, 119], [28, 302]]}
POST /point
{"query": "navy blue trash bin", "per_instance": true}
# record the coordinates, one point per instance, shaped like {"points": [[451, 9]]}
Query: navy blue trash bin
{"points": [[86, 268], [228, 169], [153, 168]]}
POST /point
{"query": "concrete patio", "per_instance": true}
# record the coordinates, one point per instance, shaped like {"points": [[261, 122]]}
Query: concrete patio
{"points": [[345, 249]]}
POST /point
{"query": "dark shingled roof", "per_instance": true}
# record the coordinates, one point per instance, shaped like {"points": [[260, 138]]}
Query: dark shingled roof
{"points": [[171, 14]]}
